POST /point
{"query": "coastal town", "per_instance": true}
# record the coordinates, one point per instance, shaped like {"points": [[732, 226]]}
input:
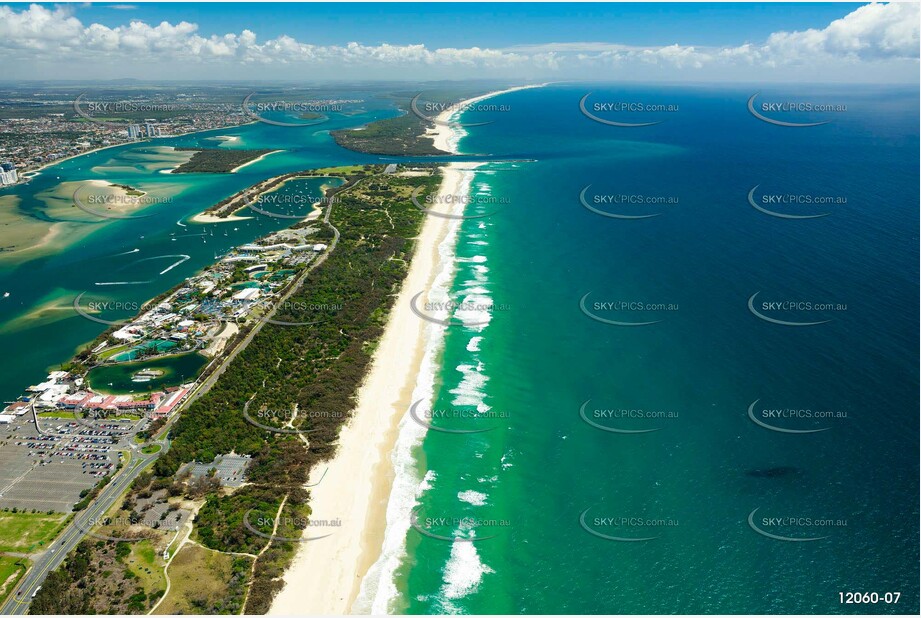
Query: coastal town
{"points": [[37, 130], [113, 431], [77, 422], [60, 133]]}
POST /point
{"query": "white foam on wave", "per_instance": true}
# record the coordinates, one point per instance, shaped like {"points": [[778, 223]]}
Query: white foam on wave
{"points": [[476, 498], [378, 588], [475, 311], [471, 390], [427, 480], [464, 570], [462, 574], [476, 259]]}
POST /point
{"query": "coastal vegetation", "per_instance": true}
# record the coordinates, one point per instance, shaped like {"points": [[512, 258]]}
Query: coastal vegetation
{"points": [[205, 582], [407, 133], [317, 367], [217, 160], [129, 190], [102, 577], [314, 368], [403, 135]]}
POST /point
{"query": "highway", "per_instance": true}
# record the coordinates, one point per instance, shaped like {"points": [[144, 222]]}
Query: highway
{"points": [[42, 564], [18, 601]]}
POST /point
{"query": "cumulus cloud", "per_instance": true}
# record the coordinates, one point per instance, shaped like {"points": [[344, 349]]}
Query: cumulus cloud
{"points": [[873, 33]]}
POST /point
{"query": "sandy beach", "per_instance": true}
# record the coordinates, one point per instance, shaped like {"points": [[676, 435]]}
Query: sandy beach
{"points": [[326, 574], [256, 160], [445, 137], [208, 218]]}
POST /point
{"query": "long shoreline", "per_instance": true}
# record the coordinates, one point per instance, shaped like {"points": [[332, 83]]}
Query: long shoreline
{"points": [[326, 575], [34, 173]]}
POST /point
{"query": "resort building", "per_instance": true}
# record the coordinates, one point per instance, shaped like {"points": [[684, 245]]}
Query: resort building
{"points": [[247, 294], [164, 409], [8, 174]]}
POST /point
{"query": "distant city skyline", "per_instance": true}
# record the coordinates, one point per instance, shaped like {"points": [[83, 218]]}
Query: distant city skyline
{"points": [[637, 42]]}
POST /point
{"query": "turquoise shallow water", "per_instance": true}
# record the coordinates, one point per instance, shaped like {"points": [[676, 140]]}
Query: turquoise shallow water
{"points": [[691, 485], [695, 480], [40, 327]]}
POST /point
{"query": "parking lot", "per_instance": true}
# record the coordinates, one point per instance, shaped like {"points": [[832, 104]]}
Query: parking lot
{"points": [[47, 470], [231, 469]]}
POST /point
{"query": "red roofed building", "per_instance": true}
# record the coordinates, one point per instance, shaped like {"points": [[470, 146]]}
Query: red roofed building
{"points": [[164, 409]]}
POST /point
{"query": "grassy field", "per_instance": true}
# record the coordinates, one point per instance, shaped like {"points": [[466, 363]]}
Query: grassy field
{"points": [[11, 569], [110, 352], [205, 582], [150, 449], [146, 566], [342, 170], [25, 532]]}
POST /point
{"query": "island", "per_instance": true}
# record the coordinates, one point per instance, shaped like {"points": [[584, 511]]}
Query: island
{"points": [[219, 160]]}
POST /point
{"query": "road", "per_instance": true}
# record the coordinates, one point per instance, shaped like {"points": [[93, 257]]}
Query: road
{"points": [[212, 378], [18, 601]]}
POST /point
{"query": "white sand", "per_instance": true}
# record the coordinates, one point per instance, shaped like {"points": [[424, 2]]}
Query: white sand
{"points": [[326, 574], [445, 137], [207, 218], [256, 160]]}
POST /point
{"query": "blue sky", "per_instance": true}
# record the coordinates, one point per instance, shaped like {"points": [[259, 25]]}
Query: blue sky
{"points": [[489, 25], [771, 42]]}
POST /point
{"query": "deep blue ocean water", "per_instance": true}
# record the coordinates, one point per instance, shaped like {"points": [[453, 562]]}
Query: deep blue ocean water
{"points": [[691, 485]]}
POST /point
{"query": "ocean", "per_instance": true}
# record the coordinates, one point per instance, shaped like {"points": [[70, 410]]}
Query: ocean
{"points": [[693, 456], [591, 467]]}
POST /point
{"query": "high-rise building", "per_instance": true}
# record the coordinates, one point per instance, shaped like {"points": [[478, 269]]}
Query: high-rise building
{"points": [[8, 174], [134, 131], [152, 130]]}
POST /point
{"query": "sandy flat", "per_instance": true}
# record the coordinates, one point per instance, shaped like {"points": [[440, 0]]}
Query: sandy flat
{"points": [[29, 237]]}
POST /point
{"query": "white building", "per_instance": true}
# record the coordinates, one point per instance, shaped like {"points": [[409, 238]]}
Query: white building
{"points": [[247, 294], [8, 174]]}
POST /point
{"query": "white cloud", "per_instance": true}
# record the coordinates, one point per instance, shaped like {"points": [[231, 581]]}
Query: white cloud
{"points": [[873, 34], [872, 31]]}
